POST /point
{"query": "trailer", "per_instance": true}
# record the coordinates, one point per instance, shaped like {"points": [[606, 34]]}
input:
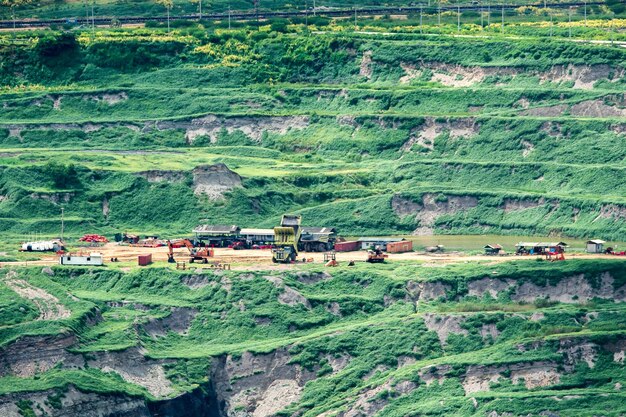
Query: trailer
{"points": [[92, 259]]}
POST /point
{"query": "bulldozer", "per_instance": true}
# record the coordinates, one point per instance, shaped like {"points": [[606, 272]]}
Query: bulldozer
{"points": [[286, 239], [196, 254], [376, 256]]}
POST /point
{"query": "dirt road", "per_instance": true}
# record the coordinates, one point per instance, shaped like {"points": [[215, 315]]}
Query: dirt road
{"points": [[262, 259]]}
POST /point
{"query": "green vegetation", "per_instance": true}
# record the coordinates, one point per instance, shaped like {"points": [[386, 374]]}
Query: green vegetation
{"points": [[388, 334], [349, 125]]}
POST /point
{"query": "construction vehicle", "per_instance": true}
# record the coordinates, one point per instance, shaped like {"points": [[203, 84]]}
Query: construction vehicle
{"points": [[286, 239], [376, 256], [196, 254], [317, 239]]}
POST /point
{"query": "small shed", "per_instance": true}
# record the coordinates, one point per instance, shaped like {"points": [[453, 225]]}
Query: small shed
{"points": [[493, 249], [595, 246]]}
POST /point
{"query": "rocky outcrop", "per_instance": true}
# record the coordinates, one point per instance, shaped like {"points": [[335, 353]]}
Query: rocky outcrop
{"points": [[258, 385], [31, 355], [75, 403]]}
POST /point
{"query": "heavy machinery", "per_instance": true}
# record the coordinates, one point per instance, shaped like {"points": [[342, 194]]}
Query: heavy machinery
{"points": [[286, 239], [196, 254], [376, 256], [317, 239]]}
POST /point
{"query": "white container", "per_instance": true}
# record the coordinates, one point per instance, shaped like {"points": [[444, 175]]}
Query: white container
{"points": [[93, 259], [42, 246]]}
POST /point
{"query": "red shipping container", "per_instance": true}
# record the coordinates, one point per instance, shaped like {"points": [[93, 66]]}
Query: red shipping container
{"points": [[144, 260], [398, 247], [346, 246]]}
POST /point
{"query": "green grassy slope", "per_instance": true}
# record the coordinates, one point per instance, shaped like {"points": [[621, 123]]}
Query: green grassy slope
{"points": [[372, 135], [386, 324]]}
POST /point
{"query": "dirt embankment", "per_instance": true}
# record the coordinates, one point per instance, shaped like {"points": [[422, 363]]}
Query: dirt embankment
{"points": [[252, 127], [453, 75], [258, 385], [50, 308], [425, 135], [430, 208]]}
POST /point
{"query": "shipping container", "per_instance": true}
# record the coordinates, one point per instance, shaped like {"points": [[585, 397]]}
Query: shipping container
{"points": [[144, 260], [398, 247], [346, 246]]}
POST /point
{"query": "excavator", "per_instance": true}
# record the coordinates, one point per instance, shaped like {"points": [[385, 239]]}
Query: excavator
{"points": [[286, 239], [196, 254]]}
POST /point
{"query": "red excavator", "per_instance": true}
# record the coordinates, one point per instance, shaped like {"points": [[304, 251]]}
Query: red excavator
{"points": [[196, 254]]}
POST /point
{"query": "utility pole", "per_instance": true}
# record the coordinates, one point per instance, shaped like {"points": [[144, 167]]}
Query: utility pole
{"points": [[93, 18], [503, 17], [482, 17], [421, 31], [256, 12], [550, 24], [585, 13], [200, 5], [439, 15], [62, 222], [458, 18], [168, 19], [229, 17], [488, 14], [313, 8], [306, 14], [569, 15], [355, 18]]}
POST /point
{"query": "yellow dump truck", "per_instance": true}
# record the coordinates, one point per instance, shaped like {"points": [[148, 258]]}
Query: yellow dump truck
{"points": [[286, 239]]}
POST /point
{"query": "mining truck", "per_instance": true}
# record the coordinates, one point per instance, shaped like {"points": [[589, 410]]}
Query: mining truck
{"points": [[286, 239]]}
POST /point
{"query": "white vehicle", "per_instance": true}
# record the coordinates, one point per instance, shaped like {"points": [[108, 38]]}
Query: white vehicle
{"points": [[93, 259], [42, 246]]}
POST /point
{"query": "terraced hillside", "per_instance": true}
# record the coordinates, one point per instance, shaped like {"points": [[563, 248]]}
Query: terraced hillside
{"points": [[517, 338], [149, 131]]}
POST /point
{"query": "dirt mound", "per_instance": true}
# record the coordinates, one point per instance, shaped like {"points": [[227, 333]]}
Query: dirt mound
{"points": [[214, 180]]}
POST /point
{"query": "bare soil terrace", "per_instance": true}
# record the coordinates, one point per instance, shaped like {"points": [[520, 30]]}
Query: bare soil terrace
{"points": [[254, 259]]}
